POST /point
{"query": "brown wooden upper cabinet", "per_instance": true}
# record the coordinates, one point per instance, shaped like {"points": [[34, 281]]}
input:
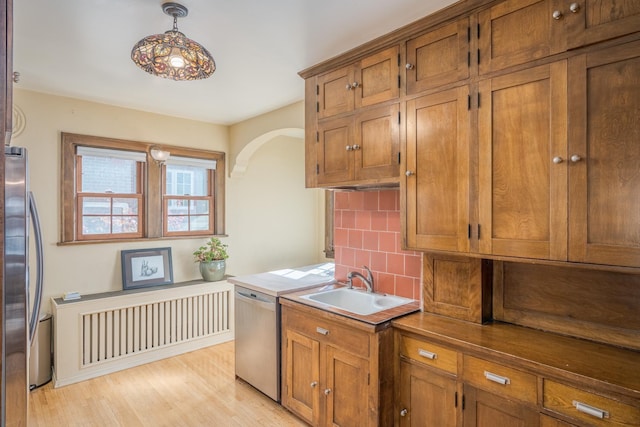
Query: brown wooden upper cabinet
{"points": [[439, 57], [518, 31], [369, 81], [359, 148]]}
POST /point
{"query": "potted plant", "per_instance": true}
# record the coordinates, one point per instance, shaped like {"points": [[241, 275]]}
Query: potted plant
{"points": [[212, 258]]}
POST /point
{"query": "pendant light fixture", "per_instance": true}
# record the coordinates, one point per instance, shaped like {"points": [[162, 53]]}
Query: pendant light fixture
{"points": [[172, 55]]}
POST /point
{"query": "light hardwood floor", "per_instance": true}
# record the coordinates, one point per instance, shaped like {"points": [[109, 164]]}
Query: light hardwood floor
{"points": [[193, 389]]}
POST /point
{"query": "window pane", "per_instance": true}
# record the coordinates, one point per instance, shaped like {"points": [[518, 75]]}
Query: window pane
{"points": [[96, 225], [125, 206], [199, 222], [125, 224], [104, 174], [96, 206], [199, 207], [178, 223], [186, 181], [178, 207]]}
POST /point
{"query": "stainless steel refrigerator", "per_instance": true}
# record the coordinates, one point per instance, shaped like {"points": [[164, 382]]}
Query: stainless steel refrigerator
{"points": [[20, 310]]}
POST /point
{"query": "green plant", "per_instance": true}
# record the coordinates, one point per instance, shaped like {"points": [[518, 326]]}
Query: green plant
{"points": [[213, 250]]}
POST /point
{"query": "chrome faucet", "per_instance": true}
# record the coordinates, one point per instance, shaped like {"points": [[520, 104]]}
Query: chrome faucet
{"points": [[368, 281]]}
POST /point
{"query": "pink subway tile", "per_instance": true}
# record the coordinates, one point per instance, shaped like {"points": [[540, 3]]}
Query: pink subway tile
{"points": [[387, 242], [387, 200], [393, 221], [340, 237], [385, 283], [379, 221], [395, 263], [341, 272], [355, 239], [371, 200], [341, 200], [363, 220], [348, 219], [362, 258], [370, 240], [356, 200], [412, 265], [347, 256], [405, 287], [337, 218], [379, 261]]}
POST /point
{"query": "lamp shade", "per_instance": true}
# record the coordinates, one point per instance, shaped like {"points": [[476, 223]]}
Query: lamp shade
{"points": [[172, 55]]}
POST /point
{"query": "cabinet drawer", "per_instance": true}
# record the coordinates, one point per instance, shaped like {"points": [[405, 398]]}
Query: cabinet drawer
{"points": [[500, 379], [588, 407], [429, 354], [326, 331]]}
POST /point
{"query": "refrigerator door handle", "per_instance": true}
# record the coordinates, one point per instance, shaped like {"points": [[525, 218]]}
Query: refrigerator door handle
{"points": [[35, 314]]}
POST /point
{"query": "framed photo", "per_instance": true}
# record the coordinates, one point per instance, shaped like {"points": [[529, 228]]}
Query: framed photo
{"points": [[146, 267]]}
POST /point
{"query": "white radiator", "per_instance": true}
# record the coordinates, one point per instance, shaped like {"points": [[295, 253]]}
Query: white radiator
{"points": [[100, 335]]}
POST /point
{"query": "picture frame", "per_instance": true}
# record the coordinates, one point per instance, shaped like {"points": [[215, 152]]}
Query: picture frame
{"points": [[146, 267]]}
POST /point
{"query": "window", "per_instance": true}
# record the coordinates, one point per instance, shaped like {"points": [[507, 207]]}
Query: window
{"points": [[113, 189], [187, 196]]}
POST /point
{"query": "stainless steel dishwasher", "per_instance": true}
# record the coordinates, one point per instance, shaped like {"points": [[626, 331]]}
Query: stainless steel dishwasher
{"points": [[257, 321]]}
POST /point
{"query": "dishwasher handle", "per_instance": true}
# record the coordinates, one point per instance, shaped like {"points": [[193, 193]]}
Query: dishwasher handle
{"points": [[256, 300]]}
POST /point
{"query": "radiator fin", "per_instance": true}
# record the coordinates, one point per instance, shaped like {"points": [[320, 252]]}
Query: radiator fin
{"points": [[117, 333]]}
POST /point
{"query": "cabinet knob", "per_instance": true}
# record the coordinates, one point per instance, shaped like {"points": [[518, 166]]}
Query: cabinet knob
{"points": [[574, 7], [409, 66], [557, 160], [355, 147], [557, 15], [355, 85], [16, 77], [409, 173], [314, 384], [575, 158], [348, 86], [404, 413], [327, 391], [349, 148]]}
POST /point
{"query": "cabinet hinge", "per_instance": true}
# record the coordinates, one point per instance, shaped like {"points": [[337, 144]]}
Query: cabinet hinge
{"points": [[317, 107], [456, 400], [398, 158], [317, 89], [478, 231], [469, 59], [368, 378], [468, 34], [463, 402], [398, 117], [478, 99], [478, 30], [468, 102], [317, 136], [398, 81], [469, 231], [478, 56], [317, 169], [398, 60]]}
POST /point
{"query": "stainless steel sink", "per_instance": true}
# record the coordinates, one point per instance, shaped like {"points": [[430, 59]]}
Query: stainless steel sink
{"points": [[357, 301]]}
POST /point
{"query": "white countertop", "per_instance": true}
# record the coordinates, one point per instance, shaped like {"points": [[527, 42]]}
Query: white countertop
{"points": [[287, 280]]}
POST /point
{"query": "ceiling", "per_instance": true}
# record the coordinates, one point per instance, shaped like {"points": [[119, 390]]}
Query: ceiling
{"points": [[81, 49]]}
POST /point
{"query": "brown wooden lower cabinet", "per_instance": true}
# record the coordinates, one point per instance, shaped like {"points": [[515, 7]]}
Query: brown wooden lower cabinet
{"points": [[547, 421], [336, 373], [487, 409]]}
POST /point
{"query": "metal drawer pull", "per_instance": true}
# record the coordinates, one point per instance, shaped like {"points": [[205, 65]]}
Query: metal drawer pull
{"points": [[427, 354], [496, 378], [590, 410], [322, 331]]}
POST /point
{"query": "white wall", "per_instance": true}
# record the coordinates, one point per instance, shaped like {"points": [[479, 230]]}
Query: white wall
{"points": [[91, 268]]}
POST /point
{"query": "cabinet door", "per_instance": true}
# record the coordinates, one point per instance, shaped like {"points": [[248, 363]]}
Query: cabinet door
{"points": [[517, 31], [376, 141], [302, 376], [547, 421], [522, 163], [438, 57], [427, 399], [604, 181], [486, 409], [437, 177], [377, 78], [334, 151], [335, 93], [347, 389], [591, 21]]}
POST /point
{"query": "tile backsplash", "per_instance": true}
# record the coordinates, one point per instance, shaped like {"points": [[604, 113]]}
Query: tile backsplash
{"points": [[367, 232]]}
